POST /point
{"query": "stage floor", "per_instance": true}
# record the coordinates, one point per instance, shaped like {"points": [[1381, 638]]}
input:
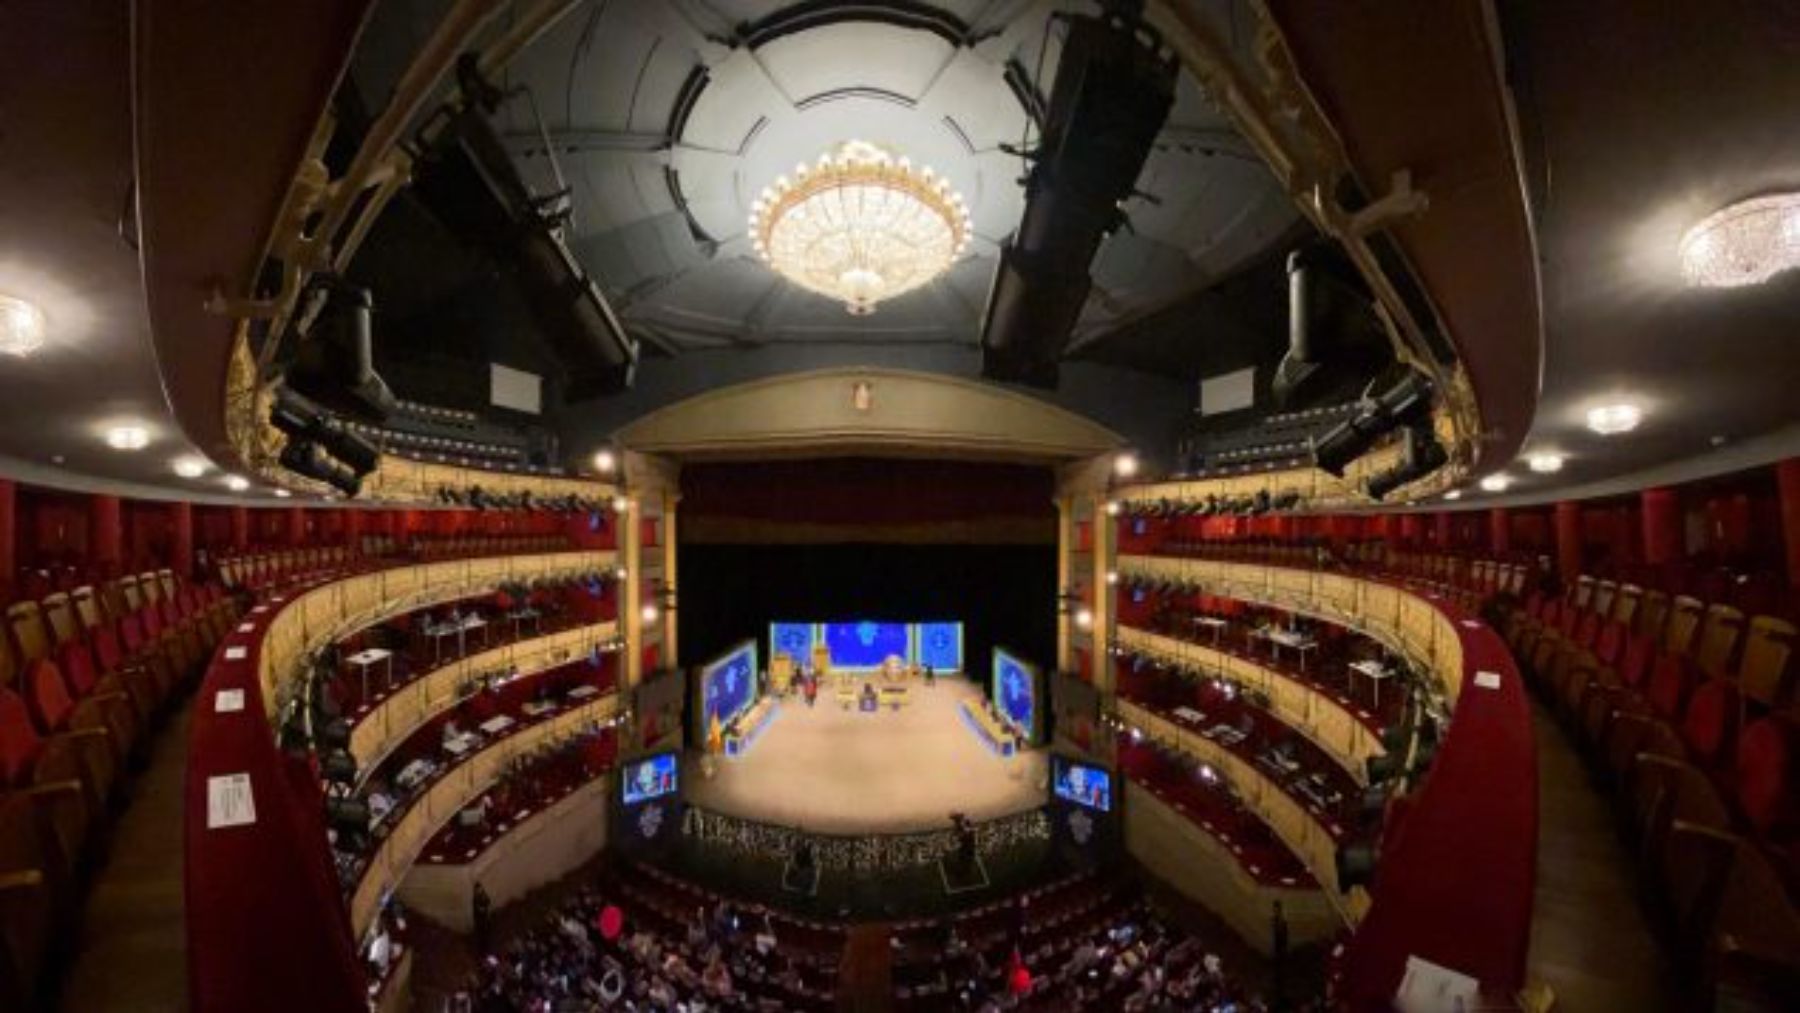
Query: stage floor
{"points": [[829, 770]]}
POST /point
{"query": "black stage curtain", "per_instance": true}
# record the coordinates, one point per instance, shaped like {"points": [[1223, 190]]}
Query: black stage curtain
{"points": [[1003, 594]]}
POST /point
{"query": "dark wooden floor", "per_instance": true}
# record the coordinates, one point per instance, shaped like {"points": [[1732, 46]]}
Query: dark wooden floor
{"points": [[1590, 941], [132, 955]]}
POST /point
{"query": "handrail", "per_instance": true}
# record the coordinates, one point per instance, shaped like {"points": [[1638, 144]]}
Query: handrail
{"points": [[455, 788], [1340, 733], [1458, 863]]}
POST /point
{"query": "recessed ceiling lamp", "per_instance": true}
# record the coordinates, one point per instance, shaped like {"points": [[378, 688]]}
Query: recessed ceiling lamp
{"points": [[236, 483], [1613, 419], [1125, 465], [1545, 464], [191, 466], [860, 225], [605, 462], [21, 326], [1453, 495], [128, 437], [1497, 482], [284, 494], [1744, 243]]}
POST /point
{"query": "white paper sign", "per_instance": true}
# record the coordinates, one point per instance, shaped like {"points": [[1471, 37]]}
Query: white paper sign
{"points": [[246, 627], [1433, 988], [1487, 680], [235, 653], [228, 700], [1471, 624], [260, 608], [229, 802]]}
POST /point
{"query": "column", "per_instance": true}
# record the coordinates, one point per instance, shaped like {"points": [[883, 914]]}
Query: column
{"points": [[671, 654], [1499, 531], [9, 528], [1442, 521], [1663, 536], [631, 618], [1106, 536], [1065, 565], [106, 531], [1787, 481], [353, 522], [181, 539], [1568, 538], [240, 528], [296, 525]]}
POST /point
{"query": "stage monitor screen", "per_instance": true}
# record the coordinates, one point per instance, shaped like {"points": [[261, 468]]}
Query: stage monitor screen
{"points": [[650, 777], [1081, 784], [794, 640], [727, 686], [941, 646], [1015, 692], [866, 644]]}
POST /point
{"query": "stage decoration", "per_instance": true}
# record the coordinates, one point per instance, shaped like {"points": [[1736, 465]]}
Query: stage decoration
{"points": [[612, 922], [867, 852], [1746, 243], [860, 225]]}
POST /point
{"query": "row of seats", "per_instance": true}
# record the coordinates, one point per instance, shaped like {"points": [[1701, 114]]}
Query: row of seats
{"points": [[1687, 714], [86, 678]]}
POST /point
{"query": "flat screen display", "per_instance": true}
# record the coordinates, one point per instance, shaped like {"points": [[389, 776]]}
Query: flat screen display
{"points": [[728, 685], [1081, 784], [1015, 693], [650, 777], [792, 639], [941, 646], [865, 644]]}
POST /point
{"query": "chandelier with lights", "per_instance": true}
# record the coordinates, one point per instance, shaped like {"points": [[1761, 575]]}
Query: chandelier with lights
{"points": [[860, 226], [1744, 243]]}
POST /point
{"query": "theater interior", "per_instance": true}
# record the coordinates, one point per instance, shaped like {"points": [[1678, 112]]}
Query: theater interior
{"points": [[749, 505]]}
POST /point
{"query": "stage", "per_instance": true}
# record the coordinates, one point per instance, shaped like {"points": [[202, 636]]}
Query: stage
{"points": [[836, 771]]}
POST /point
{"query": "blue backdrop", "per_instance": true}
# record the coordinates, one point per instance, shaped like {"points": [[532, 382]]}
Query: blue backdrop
{"points": [[728, 685], [1015, 692], [940, 646], [865, 644], [795, 639]]}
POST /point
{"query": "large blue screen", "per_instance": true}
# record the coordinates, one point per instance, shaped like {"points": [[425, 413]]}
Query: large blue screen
{"points": [[792, 639], [651, 777], [940, 646], [1015, 692], [728, 685], [865, 644]]}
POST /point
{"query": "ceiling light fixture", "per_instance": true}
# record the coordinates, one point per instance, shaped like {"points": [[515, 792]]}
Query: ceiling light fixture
{"points": [[605, 462], [860, 225], [128, 437], [21, 326], [1125, 465], [236, 483], [284, 494], [1613, 419], [1745, 243], [1545, 464], [191, 466], [1453, 495], [1497, 482]]}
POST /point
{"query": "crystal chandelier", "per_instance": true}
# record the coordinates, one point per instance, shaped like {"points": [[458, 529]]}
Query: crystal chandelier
{"points": [[1744, 243], [860, 226]]}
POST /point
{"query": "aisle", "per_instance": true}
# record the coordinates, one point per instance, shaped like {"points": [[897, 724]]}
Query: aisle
{"points": [[133, 952], [1590, 940]]}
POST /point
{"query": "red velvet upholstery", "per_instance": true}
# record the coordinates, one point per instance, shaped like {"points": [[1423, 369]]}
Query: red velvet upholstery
{"points": [[20, 743], [1768, 772], [1611, 644], [77, 665], [107, 652], [1634, 670], [1670, 680], [48, 695], [1710, 721]]}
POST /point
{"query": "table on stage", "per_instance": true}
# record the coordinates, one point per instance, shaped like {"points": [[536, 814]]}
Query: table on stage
{"points": [[996, 733], [748, 725]]}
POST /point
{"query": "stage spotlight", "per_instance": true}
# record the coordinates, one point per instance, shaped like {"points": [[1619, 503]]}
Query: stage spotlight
{"points": [[309, 460], [332, 734], [1423, 455], [1406, 403], [1355, 865], [329, 352]]}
